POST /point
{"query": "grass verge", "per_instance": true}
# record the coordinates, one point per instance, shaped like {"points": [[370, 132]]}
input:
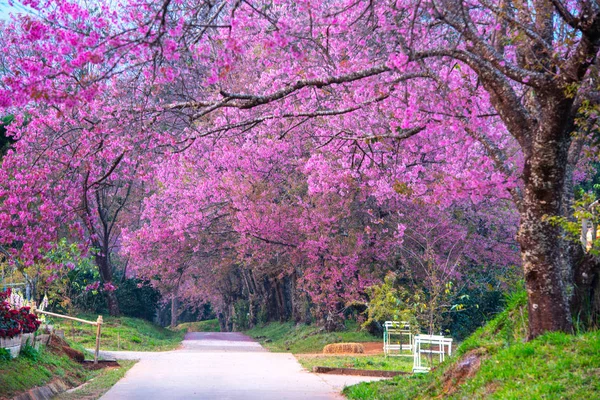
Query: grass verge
{"points": [[120, 333], [210, 325], [288, 337], [101, 383], [503, 366], [370, 362]]}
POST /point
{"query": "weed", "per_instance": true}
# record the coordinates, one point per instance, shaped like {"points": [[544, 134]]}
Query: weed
{"points": [[29, 352], [4, 355]]}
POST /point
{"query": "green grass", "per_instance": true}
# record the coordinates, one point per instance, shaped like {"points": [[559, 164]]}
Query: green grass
{"points": [[210, 325], [369, 362], [288, 337], [100, 384], [21, 373], [120, 333], [553, 366]]}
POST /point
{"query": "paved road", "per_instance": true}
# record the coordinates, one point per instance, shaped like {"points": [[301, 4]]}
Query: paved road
{"points": [[222, 366]]}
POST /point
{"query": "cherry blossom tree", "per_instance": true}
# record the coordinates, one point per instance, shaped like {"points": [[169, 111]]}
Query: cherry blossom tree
{"points": [[458, 101]]}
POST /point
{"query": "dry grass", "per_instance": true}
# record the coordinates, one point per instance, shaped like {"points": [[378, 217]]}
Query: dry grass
{"points": [[344, 348]]}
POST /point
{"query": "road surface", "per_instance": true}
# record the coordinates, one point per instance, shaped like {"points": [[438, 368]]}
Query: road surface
{"points": [[222, 366]]}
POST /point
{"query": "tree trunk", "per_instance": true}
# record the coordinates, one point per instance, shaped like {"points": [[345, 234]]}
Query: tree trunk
{"points": [[586, 297], [544, 178], [112, 303], [174, 308], [106, 275]]}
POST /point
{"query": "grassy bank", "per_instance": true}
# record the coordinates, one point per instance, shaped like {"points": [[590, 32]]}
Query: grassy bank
{"points": [[120, 333], [38, 368], [496, 363], [369, 362], [288, 337], [24, 373]]}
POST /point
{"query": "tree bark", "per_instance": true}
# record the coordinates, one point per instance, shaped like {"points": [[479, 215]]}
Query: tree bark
{"points": [[106, 275], [544, 178], [174, 308], [586, 297]]}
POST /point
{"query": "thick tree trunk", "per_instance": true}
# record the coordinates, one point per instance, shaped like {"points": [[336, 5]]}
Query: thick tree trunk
{"points": [[544, 178], [547, 300]]}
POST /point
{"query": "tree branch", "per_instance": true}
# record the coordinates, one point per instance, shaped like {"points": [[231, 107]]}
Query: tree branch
{"points": [[250, 100]]}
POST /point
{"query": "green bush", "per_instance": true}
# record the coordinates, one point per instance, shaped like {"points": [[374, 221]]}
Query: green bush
{"points": [[241, 316], [478, 306], [137, 299], [388, 302]]}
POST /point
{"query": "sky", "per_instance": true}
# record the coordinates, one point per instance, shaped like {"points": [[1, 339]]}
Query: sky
{"points": [[6, 9]]}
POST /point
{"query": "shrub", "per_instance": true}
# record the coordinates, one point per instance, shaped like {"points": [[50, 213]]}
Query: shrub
{"points": [[389, 303], [241, 315], [137, 299]]}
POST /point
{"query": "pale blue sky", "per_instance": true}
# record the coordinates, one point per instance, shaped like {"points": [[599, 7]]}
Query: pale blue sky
{"points": [[5, 9]]}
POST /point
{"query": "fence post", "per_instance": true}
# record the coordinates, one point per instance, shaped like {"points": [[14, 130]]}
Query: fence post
{"points": [[98, 331]]}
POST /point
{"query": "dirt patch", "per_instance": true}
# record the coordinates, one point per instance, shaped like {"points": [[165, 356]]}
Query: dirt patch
{"points": [[56, 344], [373, 347], [344, 348], [109, 364], [491, 388], [73, 354], [464, 369], [59, 346], [357, 372]]}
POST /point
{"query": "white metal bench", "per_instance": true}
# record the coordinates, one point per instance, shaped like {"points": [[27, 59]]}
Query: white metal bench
{"points": [[434, 344], [397, 339]]}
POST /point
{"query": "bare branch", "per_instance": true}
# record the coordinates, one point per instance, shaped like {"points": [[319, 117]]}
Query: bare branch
{"points": [[403, 134], [566, 14], [110, 171], [250, 100]]}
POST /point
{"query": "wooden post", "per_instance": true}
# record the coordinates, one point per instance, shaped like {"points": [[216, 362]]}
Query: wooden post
{"points": [[98, 330]]}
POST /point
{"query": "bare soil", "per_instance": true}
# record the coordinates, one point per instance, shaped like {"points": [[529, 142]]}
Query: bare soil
{"points": [[466, 368]]}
